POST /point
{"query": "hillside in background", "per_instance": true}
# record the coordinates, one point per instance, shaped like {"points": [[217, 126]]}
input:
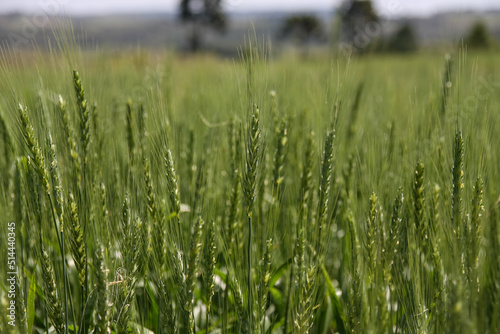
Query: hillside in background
{"points": [[166, 31]]}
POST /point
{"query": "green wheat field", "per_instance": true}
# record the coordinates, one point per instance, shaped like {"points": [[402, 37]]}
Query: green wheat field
{"points": [[147, 192]]}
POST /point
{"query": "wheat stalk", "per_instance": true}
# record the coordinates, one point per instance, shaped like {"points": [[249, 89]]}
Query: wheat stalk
{"points": [[102, 325], [173, 190], [210, 262], [84, 114], [130, 131], [71, 141], [457, 185], [7, 141], [419, 204], [34, 148], [446, 84], [279, 158], [21, 315], [167, 318], [56, 181], [371, 237], [304, 317], [249, 185], [52, 301], [263, 288], [324, 191], [475, 225], [78, 248]]}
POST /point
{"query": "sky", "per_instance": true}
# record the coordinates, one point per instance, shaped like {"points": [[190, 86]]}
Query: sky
{"points": [[384, 7]]}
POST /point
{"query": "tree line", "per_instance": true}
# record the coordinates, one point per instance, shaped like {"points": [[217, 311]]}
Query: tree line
{"points": [[359, 29]]}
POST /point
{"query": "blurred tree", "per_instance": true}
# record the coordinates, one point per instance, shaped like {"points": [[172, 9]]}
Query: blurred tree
{"points": [[478, 37], [403, 40], [199, 14], [360, 25], [302, 29]]}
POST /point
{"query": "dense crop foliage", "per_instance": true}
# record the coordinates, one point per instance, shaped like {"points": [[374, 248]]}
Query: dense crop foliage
{"points": [[152, 193]]}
